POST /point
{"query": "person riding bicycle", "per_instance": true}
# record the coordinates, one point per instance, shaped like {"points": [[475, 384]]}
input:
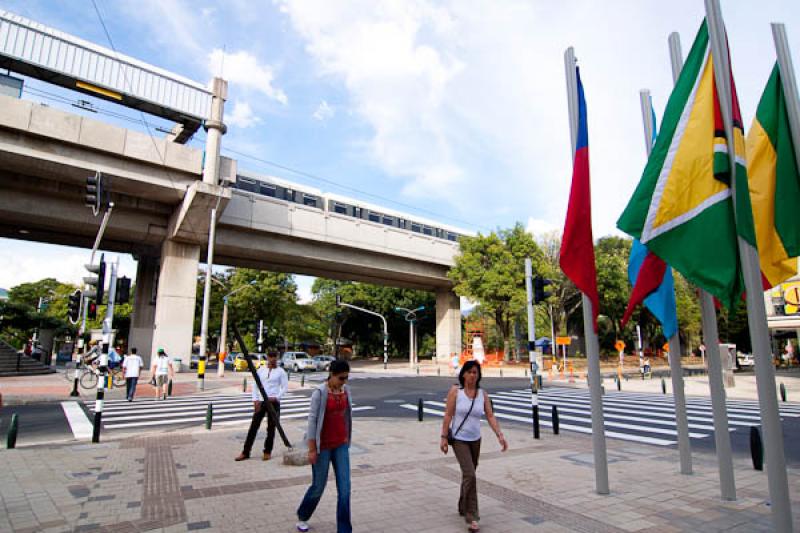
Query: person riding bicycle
{"points": [[91, 357]]}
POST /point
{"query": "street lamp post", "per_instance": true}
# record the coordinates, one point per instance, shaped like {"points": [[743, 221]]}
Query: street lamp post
{"points": [[411, 317], [385, 328], [223, 344]]}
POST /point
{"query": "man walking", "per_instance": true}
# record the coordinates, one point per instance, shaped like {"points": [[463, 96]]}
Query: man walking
{"points": [[132, 365], [275, 383], [162, 372]]}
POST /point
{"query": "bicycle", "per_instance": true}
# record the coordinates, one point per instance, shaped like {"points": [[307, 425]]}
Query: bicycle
{"points": [[90, 376]]}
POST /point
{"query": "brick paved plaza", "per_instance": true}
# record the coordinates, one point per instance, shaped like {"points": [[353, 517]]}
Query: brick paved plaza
{"points": [[187, 481]]}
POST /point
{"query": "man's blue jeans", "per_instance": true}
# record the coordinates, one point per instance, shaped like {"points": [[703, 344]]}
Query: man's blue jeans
{"points": [[340, 457]]}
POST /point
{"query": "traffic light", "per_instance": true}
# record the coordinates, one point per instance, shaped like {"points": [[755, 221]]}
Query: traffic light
{"points": [[96, 283], [123, 290], [74, 306], [91, 310], [539, 295], [94, 192]]}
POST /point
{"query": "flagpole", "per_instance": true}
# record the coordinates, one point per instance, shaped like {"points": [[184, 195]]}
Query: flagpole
{"points": [[708, 316], [592, 345], [675, 369], [777, 478], [789, 83]]}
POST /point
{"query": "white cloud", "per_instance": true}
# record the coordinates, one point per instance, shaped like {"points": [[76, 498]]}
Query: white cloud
{"points": [[304, 284], [243, 70], [538, 227], [242, 116], [324, 112]]}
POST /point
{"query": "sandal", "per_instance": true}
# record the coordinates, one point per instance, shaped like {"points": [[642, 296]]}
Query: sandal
{"points": [[474, 526]]}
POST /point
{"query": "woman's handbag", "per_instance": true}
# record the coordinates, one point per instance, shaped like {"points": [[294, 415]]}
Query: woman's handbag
{"points": [[451, 437]]}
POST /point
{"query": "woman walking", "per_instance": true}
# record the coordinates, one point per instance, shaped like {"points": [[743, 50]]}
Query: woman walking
{"points": [[461, 428], [330, 427]]}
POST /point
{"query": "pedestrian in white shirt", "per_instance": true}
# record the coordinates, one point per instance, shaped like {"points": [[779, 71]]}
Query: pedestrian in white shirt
{"points": [[132, 365], [275, 383], [162, 373]]}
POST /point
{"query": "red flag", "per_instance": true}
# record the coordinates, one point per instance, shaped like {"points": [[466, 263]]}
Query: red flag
{"points": [[651, 275], [577, 245]]}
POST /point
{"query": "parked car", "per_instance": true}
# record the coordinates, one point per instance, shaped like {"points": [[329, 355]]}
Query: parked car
{"points": [[240, 364], [297, 362], [745, 359], [323, 362]]}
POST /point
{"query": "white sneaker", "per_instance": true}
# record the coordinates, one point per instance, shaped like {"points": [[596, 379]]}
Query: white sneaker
{"points": [[302, 526]]}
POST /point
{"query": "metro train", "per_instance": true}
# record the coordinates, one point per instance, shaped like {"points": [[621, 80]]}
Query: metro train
{"points": [[334, 203]]}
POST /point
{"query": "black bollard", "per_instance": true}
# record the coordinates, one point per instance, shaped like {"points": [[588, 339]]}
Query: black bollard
{"points": [[663, 386], [526, 372], [783, 392], [535, 413], [554, 418], [11, 436], [756, 448], [419, 409], [603, 390], [75, 387], [244, 385], [501, 372], [619, 384], [169, 388], [302, 380], [418, 370], [209, 416], [438, 371]]}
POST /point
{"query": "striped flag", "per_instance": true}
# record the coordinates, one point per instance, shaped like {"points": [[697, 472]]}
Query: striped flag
{"points": [[577, 245], [774, 185]]}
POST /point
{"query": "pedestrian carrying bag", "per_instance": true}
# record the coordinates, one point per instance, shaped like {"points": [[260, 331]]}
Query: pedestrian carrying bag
{"points": [[451, 437]]}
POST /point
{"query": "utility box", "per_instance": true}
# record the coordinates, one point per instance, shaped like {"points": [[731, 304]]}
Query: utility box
{"points": [[727, 355]]}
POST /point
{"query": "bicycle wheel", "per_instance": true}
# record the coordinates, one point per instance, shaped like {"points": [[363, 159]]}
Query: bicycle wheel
{"points": [[89, 380], [118, 378], [70, 371]]}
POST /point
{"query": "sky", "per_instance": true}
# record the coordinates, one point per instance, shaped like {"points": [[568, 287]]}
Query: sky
{"points": [[454, 110]]}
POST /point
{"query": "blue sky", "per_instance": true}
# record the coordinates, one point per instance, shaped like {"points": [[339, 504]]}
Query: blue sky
{"points": [[455, 110]]}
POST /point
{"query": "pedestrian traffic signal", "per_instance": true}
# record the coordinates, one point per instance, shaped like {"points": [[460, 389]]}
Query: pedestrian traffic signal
{"points": [[94, 192], [91, 310], [123, 290], [96, 283], [74, 306], [539, 294]]}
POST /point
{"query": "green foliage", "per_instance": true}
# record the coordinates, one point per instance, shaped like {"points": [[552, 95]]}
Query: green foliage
{"points": [[19, 316], [490, 270]]}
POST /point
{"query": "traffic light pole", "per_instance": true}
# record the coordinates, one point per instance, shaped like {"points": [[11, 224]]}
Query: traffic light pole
{"points": [[107, 332], [385, 329], [532, 359]]}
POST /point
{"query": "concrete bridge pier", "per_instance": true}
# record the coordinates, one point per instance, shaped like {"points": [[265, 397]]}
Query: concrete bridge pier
{"points": [[448, 325], [175, 300], [144, 307]]}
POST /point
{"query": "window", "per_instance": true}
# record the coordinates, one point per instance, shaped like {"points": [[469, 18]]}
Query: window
{"points": [[309, 200], [268, 190], [247, 184], [288, 195], [427, 230], [452, 237], [339, 208], [416, 227], [389, 221], [374, 217]]}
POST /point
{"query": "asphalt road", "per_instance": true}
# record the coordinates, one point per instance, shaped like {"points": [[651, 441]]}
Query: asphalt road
{"points": [[46, 422]]}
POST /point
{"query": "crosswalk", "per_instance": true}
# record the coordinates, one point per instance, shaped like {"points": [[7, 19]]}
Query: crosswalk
{"points": [[319, 377], [187, 411], [637, 417]]}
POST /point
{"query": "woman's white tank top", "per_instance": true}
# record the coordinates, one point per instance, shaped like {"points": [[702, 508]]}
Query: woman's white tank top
{"points": [[471, 430]]}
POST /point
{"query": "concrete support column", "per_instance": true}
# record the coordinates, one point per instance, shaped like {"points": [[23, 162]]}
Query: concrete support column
{"points": [[177, 286], [448, 325], [144, 307], [215, 129]]}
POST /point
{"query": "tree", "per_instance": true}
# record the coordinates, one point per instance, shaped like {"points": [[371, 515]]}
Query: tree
{"points": [[611, 257], [490, 270], [269, 299]]}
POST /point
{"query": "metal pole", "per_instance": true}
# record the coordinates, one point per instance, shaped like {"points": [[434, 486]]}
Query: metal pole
{"points": [[592, 346], [777, 478], [789, 83], [532, 362], [201, 363], [385, 346], [103, 366], [676, 372], [223, 343], [640, 348]]}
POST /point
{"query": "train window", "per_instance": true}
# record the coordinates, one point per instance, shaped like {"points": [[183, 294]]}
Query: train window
{"points": [[452, 237], [401, 223], [358, 212], [427, 230], [339, 208], [246, 184], [268, 190], [389, 221], [309, 200], [374, 217], [288, 194], [416, 227]]}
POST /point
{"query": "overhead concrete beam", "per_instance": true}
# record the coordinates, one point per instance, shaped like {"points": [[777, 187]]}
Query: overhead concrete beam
{"points": [[190, 222]]}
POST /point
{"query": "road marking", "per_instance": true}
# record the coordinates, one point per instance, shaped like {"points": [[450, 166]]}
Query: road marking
{"points": [[77, 420]]}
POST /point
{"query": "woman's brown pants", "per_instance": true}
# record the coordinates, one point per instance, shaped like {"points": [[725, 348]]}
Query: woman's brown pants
{"points": [[467, 453]]}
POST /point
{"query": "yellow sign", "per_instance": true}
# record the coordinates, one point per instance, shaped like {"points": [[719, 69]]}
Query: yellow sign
{"points": [[791, 297], [201, 366], [563, 341], [619, 345]]}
